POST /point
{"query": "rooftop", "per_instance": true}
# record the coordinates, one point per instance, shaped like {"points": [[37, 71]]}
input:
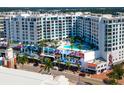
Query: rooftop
{"points": [[11, 76]]}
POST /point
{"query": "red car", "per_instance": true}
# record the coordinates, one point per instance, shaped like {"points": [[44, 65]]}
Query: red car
{"points": [[82, 74]]}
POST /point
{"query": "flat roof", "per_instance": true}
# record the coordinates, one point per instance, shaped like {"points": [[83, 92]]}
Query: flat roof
{"points": [[9, 76], [99, 61]]}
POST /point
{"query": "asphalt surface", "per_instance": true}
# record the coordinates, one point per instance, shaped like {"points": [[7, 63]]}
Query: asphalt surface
{"points": [[78, 79]]}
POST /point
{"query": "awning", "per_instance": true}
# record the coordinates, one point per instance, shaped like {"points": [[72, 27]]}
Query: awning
{"points": [[91, 65]]}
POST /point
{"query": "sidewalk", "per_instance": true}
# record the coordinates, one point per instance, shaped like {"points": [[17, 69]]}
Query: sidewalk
{"points": [[101, 76]]}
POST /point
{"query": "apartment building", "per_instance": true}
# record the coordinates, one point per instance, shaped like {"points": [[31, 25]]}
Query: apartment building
{"points": [[113, 38], [88, 28], [1, 26], [23, 28], [58, 27], [104, 31], [28, 28]]}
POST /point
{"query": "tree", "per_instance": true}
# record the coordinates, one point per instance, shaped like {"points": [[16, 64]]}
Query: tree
{"points": [[41, 61], [33, 60], [68, 64], [110, 81], [117, 72], [39, 51], [42, 44], [23, 60], [72, 39], [72, 44], [58, 62], [48, 64], [79, 46], [78, 66], [55, 43]]}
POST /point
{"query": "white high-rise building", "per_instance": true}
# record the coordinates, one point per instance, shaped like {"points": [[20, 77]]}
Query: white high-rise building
{"points": [[104, 31], [28, 28], [23, 28], [1, 26]]}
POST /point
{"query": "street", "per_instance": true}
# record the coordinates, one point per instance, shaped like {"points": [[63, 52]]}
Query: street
{"points": [[74, 78], [78, 80]]}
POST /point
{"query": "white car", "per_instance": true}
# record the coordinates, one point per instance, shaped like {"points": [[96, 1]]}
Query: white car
{"points": [[55, 68]]}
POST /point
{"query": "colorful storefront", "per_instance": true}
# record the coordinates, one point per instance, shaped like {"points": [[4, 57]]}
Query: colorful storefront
{"points": [[69, 56]]}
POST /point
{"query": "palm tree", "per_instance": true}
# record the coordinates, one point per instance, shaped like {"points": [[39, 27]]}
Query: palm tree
{"points": [[78, 66], [43, 44], [68, 64], [33, 59], [55, 43], [48, 64], [23, 60], [41, 61], [72, 39], [72, 42], [58, 62], [39, 51], [79, 46]]}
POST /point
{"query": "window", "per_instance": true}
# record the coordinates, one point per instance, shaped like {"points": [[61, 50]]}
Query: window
{"points": [[113, 48], [110, 21], [104, 65], [98, 70], [109, 49], [98, 67]]}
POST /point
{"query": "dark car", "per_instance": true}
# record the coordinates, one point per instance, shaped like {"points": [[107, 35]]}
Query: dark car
{"points": [[36, 64], [82, 74]]}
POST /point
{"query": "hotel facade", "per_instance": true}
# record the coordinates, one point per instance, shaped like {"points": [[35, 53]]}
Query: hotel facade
{"points": [[104, 31], [32, 29]]}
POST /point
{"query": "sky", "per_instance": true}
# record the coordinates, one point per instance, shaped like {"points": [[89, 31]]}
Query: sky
{"points": [[62, 3]]}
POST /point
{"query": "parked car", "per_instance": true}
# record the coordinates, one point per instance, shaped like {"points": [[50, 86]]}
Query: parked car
{"points": [[60, 69], [55, 68], [82, 74], [36, 64]]}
